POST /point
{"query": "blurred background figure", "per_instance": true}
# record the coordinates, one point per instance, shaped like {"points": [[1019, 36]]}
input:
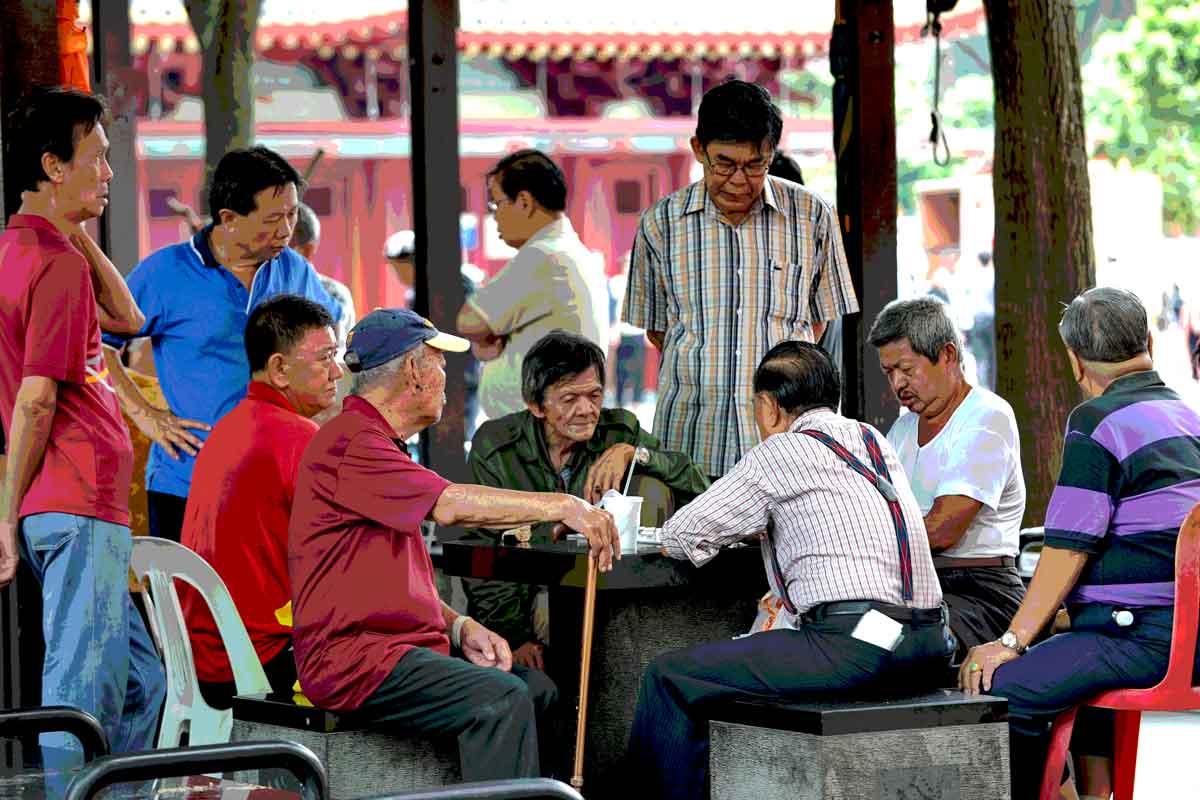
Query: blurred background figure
{"points": [[305, 239], [629, 367], [400, 251]]}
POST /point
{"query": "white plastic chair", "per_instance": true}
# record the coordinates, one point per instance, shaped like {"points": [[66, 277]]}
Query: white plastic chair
{"points": [[164, 562]]}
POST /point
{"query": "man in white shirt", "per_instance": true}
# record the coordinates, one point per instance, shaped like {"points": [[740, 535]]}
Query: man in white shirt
{"points": [[961, 452], [548, 284]]}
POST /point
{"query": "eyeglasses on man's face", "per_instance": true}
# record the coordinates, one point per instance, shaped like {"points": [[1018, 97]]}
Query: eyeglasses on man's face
{"points": [[494, 205], [726, 167]]}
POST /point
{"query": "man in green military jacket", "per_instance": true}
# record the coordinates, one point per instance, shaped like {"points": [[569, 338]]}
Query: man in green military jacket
{"points": [[565, 442]]}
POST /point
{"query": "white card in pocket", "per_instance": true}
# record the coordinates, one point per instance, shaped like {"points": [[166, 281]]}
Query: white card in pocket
{"points": [[879, 630]]}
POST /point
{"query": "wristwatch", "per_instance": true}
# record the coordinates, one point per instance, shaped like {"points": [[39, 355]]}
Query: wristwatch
{"points": [[1009, 640], [641, 455]]}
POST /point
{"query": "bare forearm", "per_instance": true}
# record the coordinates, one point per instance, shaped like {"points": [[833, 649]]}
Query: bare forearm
{"points": [[119, 311], [948, 519], [33, 415], [484, 506], [132, 400], [1056, 574], [473, 326], [449, 615]]}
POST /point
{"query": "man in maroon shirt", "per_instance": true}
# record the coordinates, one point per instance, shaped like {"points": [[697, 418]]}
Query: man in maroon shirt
{"points": [[371, 632], [66, 484], [243, 484]]}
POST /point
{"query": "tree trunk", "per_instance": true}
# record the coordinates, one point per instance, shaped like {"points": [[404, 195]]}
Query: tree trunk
{"points": [[226, 31], [1043, 246]]}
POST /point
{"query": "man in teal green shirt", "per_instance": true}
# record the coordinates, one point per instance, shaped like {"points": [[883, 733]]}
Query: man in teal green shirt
{"points": [[564, 442]]}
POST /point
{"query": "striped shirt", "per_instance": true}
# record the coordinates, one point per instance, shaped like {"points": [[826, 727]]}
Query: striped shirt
{"points": [[1130, 474], [724, 295], [833, 531]]}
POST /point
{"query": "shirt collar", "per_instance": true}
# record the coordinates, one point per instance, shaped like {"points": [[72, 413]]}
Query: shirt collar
{"points": [[1133, 381], [699, 200], [531, 445], [353, 404], [201, 244], [810, 416], [269, 394], [559, 227], [36, 222]]}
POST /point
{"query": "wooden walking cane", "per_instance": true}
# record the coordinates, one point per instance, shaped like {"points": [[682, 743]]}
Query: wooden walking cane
{"points": [[589, 620]]}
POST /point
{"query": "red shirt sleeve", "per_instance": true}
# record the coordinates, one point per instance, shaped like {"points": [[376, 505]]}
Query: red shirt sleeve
{"points": [[381, 483], [62, 320]]}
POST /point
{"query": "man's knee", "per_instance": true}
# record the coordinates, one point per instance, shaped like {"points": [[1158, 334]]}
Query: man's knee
{"points": [[542, 691], [504, 694]]}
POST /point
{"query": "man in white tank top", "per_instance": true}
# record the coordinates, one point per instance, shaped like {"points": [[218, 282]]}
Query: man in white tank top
{"points": [[960, 449]]}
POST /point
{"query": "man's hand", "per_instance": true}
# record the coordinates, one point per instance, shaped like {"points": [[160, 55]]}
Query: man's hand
{"points": [[530, 655], [484, 648], [985, 658], [594, 523], [169, 431], [487, 349], [8, 552], [609, 471]]}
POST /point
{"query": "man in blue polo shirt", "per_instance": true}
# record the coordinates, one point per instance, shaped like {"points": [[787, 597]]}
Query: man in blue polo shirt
{"points": [[1130, 474], [197, 296]]}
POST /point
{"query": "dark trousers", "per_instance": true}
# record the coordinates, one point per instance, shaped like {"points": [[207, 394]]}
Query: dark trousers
{"points": [[495, 715], [281, 674], [982, 602], [165, 515], [668, 745], [1069, 668]]}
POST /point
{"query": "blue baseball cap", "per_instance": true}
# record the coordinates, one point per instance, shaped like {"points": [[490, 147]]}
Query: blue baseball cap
{"points": [[386, 333]]}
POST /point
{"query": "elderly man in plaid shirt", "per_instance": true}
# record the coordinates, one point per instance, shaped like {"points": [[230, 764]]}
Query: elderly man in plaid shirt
{"points": [[726, 268]]}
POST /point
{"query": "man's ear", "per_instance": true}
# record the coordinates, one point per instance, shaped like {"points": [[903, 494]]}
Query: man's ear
{"points": [[697, 150], [772, 414], [276, 371], [52, 165], [950, 354], [525, 202], [1150, 343], [227, 216], [536, 410], [1076, 365]]}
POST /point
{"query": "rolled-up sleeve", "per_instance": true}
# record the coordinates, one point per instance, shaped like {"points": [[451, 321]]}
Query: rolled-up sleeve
{"points": [[733, 508]]}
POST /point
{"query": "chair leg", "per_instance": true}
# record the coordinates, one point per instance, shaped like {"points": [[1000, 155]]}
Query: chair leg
{"points": [[1056, 756], [1125, 745]]}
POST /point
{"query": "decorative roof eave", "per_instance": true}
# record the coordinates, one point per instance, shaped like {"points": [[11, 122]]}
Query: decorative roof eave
{"points": [[386, 35]]}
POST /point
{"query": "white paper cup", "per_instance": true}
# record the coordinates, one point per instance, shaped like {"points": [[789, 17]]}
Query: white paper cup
{"points": [[627, 513]]}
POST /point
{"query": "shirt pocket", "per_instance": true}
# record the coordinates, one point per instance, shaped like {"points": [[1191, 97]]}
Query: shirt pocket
{"points": [[788, 298]]}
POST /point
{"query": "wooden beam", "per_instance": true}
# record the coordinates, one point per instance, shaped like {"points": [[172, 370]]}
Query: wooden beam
{"points": [[437, 203], [864, 130], [114, 77]]}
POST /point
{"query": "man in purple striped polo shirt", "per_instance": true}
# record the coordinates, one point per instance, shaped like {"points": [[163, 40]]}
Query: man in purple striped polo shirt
{"points": [[1130, 474]]}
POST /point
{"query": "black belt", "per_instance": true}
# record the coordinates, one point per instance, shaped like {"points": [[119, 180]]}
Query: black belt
{"points": [[904, 614], [951, 562]]}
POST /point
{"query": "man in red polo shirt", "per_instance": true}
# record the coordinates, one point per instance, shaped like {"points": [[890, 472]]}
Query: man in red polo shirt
{"points": [[243, 484], [371, 632], [66, 484]]}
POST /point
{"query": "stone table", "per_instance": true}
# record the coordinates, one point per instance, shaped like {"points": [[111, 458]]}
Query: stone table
{"points": [[647, 605]]}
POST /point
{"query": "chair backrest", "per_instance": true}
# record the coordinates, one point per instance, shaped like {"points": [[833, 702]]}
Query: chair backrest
{"points": [[163, 562], [183, 761], [1187, 609], [19, 722], [517, 789]]}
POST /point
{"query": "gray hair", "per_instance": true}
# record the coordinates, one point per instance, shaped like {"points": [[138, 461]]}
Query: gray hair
{"points": [[1105, 325], [385, 373], [308, 227], [923, 321]]}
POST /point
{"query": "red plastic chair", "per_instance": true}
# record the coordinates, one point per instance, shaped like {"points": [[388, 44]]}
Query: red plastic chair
{"points": [[1174, 693]]}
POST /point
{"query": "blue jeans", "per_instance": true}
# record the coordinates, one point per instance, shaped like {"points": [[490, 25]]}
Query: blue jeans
{"points": [[99, 657], [1066, 670]]}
